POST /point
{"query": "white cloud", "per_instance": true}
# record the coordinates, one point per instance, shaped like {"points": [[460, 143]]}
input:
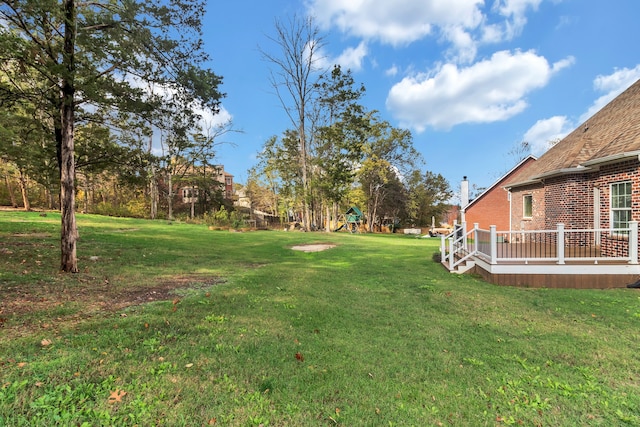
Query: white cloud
{"points": [[464, 47], [400, 22], [491, 90], [514, 12], [545, 131], [210, 120], [613, 85], [463, 24], [352, 57], [391, 72]]}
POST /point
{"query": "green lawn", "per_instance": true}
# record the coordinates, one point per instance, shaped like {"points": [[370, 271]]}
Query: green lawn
{"points": [[371, 332]]}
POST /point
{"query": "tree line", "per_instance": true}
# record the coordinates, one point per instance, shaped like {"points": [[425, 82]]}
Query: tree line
{"points": [[89, 90], [336, 153], [86, 86]]}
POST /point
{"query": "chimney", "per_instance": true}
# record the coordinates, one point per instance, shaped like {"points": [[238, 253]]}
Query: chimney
{"points": [[464, 193]]}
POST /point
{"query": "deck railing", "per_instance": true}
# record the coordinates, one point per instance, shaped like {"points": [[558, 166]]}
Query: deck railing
{"points": [[560, 245]]}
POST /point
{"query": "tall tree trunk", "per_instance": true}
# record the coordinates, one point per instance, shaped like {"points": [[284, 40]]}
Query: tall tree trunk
{"points": [[49, 196], [153, 185], [86, 194], [170, 197], [12, 197], [153, 194], [306, 213], [69, 230], [22, 180], [327, 220]]}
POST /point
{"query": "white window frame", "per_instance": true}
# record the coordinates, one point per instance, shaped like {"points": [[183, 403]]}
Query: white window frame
{"points": [[524, 206], [615, 204]]}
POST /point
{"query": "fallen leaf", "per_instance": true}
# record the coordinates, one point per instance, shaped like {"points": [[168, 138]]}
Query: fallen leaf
{"points": [[116, 396], [46, 342], [300, 357], [188, 365], [175, 301], [22, 364], [212, 421]]}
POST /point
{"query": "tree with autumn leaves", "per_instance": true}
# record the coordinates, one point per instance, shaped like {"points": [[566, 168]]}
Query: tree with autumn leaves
{"points": [[73, 63]]}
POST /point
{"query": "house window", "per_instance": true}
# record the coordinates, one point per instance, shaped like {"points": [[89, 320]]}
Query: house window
{"points": [[620, 205], [189, 194], [527, 206]]}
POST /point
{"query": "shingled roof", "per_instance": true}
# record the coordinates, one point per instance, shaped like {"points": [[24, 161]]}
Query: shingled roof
{"points": [[612, 134]]}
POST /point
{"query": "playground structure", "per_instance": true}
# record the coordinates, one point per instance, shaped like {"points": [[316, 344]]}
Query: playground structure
{"points": [[351, 221]]}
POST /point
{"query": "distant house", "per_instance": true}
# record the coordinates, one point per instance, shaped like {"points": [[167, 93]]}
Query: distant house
{"points": [[492, 206], [191, 193], [573, 213]]}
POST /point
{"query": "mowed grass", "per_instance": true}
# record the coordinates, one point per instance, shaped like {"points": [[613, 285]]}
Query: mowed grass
{"points": [[371, 332]]}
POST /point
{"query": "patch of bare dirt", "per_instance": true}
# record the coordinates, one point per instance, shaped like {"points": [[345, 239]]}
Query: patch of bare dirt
{"points": [[93, 295], [317, 247], [36, 235]]}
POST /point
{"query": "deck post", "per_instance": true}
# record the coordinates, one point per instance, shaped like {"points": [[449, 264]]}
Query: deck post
{"points": [[633, 242], [475, 237], [443, 249], [462, 236], [494, 244], [561, 243], [451, 250]]}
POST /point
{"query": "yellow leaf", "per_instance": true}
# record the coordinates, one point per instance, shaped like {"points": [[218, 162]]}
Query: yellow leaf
{"points": [[116, 396], [46, 342]]}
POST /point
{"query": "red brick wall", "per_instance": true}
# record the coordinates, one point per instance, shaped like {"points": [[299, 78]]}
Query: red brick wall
{"points": [[619, 172], [537, 220], [490, 210], [569, 200], [493, 207]]}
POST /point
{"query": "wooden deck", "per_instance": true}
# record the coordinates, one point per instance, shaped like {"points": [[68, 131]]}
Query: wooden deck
{"points": [[576, 281], [548, 258]]}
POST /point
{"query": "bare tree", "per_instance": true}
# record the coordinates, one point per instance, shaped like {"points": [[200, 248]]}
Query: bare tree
{"points": [[293, 78]]}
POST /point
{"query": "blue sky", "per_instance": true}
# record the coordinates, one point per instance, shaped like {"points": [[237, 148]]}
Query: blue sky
{"points": [[471, 79]]}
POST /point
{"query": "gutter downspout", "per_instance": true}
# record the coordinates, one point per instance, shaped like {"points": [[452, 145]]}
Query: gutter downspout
{"points": [[510, 211]]}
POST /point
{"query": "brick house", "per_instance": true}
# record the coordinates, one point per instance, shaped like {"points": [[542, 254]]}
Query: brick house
{"points": [[190, 193], [573, 212], [590, 179], [492, 206]]}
